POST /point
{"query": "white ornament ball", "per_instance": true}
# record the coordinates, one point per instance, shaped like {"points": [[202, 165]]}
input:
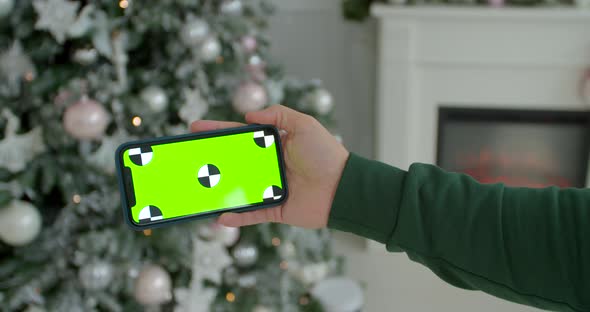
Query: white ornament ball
{"points": [[339, 294], [256, 67], [311, 273], [153, 286], [245, 254], [6, 7], [96, 275], [20, 223], [86, 119], [228, 236], [320, 101], [210, 49], [249, 43], [249, 96], [155, 98], [231, 7], [194, 32]]}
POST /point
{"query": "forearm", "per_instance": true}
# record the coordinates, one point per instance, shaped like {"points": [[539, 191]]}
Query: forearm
{"points": [[525, 245]]}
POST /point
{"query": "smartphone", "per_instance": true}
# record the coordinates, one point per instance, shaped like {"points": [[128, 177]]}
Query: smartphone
{"points": [[171, 179]]}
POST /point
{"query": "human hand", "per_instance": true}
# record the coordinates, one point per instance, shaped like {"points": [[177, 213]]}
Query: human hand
{"points": [[314, 161]]}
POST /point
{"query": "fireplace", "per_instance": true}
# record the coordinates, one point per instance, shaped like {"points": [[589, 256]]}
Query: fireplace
{"points": [[509, 82], [532, 148]]}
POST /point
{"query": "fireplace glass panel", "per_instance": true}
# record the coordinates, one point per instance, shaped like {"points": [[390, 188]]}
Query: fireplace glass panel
{"points": [[517, 148]]}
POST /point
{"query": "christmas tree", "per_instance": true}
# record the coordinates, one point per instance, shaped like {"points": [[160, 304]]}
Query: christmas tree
{"points": [[78, 78]]}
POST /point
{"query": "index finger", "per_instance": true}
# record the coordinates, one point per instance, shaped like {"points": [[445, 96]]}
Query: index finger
{"points": [[233, 219], [207, 125]]}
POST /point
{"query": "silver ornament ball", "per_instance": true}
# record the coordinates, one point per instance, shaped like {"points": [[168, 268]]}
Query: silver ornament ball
{"points": [[6, 7], [210, 49], [20, 223], [155, 98], [249, 96], [245, 254], [86, 119], [321, 101], [153, 286], [231, 7], [96, 275], [247, 280], [261, 308], [194, 32]]}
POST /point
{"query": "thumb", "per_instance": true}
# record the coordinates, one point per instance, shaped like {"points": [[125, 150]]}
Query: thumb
{"points": [[277, 115]]}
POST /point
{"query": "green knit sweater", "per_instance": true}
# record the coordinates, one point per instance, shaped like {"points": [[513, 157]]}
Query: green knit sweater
{"points": [[530, 246]]}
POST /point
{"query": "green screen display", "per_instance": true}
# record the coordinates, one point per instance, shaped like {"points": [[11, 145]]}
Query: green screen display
{"points": [[195, 176]]}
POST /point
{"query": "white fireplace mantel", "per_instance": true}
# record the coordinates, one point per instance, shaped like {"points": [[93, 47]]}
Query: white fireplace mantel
{"points": [[526, 58]]}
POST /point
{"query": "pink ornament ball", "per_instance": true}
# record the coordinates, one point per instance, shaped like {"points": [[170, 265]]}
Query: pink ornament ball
{"points": [[250, 96], [249, 43], [86, 119]]}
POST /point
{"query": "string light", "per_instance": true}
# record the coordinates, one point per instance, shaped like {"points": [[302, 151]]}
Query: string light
{"points": [[147, 232], [284, 265], [123, 4], [276, 241], [29, 76], [230, 297], [76, 199], [136, 121], [303, 300]]}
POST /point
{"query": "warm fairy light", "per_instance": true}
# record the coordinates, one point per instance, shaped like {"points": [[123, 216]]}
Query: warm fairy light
{"points": [[276, 241], [219, 60], [29, 76], [76, 199], [136, 121], [123, 4], [230, 297], [284, 265], [303, 300], [147, 232]]}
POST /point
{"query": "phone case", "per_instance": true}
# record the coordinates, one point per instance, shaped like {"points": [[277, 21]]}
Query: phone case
{"points": [[125, 184]]}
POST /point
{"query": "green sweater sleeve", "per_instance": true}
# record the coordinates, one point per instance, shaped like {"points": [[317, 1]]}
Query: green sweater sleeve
{"points": [[530, 246]]}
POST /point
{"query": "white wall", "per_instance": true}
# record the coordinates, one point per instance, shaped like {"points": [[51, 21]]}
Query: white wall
{"points": [[312, 40]]}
